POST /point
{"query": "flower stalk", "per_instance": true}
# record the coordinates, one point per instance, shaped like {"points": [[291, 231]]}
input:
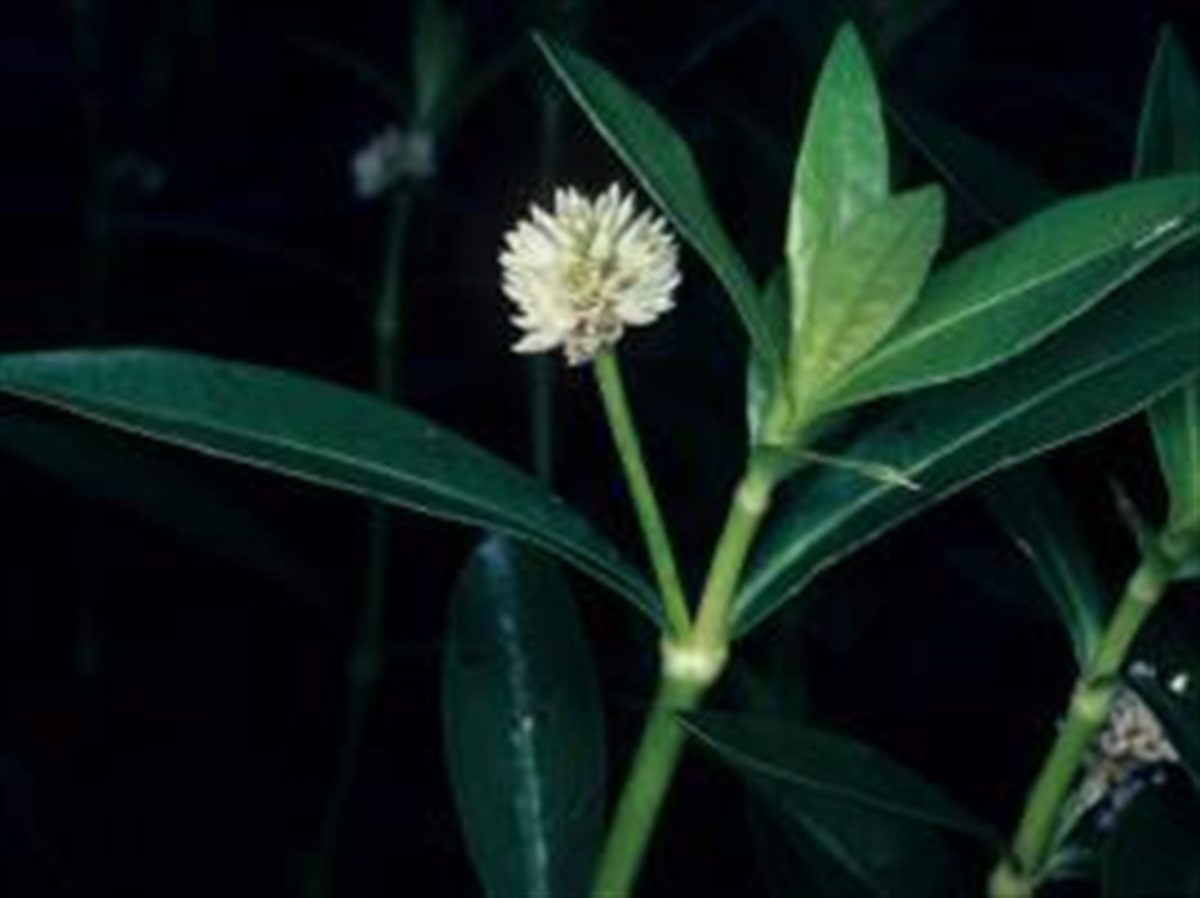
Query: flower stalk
{"points": [[1017, 874]]}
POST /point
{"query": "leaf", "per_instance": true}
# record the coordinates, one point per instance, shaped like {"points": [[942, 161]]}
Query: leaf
{"points": [[319, 432], [790, 863], [1104, 367], [1001, 298], [1169, 141], [839, 800], [841, 171], [842, 168], [1153, 853], [832, 766], [524, 731], [664, 165], [996, 187], [113, 468], [862, 283], [1028, 504]]}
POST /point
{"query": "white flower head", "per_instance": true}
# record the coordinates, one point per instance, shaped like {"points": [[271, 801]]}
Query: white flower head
{"points": [[582, 274]]}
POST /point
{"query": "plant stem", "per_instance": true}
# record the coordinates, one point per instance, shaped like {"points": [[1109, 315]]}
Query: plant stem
{"points": [[654, 530], [1016, 876], [649, 778], [366, 661], [691, 665]]}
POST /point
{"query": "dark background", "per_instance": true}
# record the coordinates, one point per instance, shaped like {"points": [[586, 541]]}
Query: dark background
{"points": [[170, 693]]}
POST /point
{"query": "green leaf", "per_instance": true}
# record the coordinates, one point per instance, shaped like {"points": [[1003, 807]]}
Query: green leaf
{"points": [[319, 432], [1029, 505], [994, 186], [842, 168], [524, 732], [1175, 423], [664, 165], [841, 171], [1107, 365], [112, 467], [841, 801], [862, 283], [1169, 141], [1152, 853], [1001, 298], [826, 764]]}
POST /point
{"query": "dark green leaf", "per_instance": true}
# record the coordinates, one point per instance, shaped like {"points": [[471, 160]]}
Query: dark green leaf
{"points": [[523, 725], [1029, 505], [114, 468], [1001, 298], [663, 164], [316, 431], [824, 764], [861, 284], [1107, 365], [996, 187], [859, 822], [1152, 853], [1169, 141]]}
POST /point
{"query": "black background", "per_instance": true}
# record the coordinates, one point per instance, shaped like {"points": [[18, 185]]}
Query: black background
{"points": [[169, 704]]}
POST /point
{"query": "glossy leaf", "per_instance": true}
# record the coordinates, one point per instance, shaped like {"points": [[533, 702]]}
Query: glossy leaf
{"points": [[319, 432], [1104, 367], [1152, 853], [111, 467], [827, 764], [1029, 505], [1169, 141], [664, 165], [1001, 298], [862, 283], [859, 822], [524, 731], [841, 172]]}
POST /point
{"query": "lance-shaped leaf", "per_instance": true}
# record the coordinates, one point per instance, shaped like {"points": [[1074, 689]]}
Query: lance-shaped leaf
{"points": [[524, 732], [320, 432], [862, 283], [664, 165], [112, 467], [1001, 298], [860, 809], [1169, 141], [1104, 367], [841, 170], [1030, 506]]}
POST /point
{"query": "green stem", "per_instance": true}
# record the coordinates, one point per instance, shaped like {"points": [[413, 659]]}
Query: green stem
{"points": [[366, 662], [1016, 876], [654, 530], [646, 787], [691, 665]]}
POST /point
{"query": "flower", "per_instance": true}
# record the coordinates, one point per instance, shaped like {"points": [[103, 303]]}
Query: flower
{"points": [[1131, 750], [581, 275]]}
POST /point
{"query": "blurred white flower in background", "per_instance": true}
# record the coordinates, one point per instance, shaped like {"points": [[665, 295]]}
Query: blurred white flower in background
{"points": [[390, 157], [583, 273]]}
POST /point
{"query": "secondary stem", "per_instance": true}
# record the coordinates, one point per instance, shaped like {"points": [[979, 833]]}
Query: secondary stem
{"points": [[1016, 876], [365, 666], [654, 529]]}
